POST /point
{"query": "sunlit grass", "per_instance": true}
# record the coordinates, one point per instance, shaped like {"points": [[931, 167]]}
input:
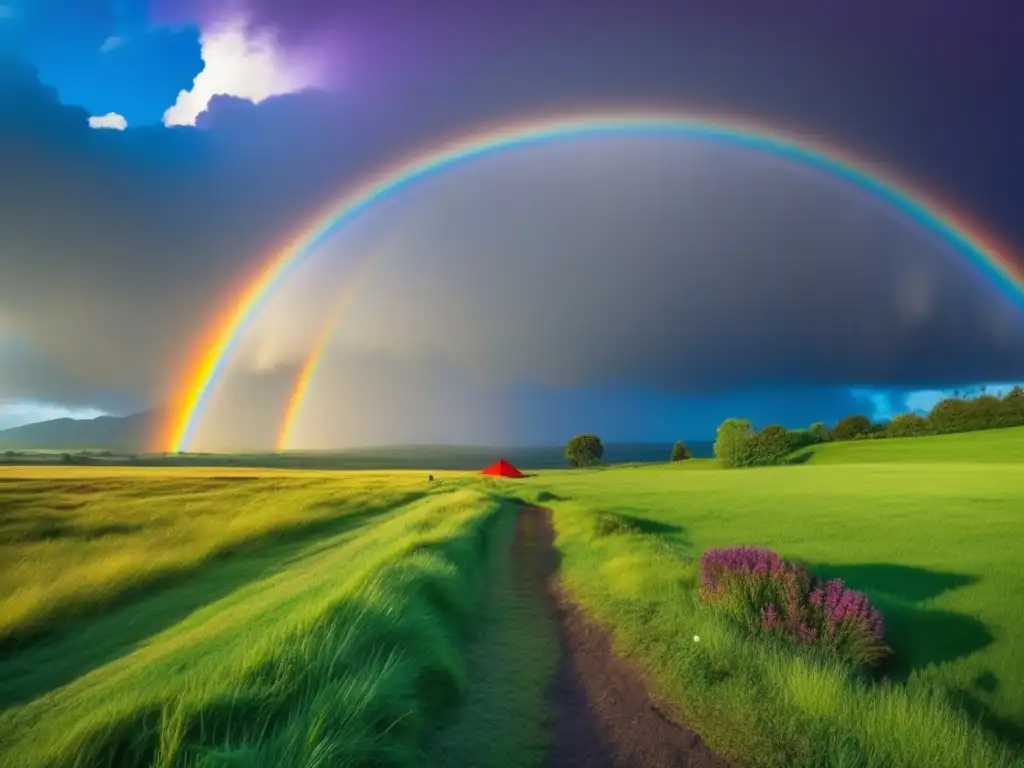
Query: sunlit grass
{"points": [[345, 650], [73, 541]]}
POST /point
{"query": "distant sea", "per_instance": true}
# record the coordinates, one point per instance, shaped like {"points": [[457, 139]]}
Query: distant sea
{"points": [[476, 457], [455, 457]]}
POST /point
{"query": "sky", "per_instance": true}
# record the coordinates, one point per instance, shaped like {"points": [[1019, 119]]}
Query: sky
{"points": [[154, 154]]}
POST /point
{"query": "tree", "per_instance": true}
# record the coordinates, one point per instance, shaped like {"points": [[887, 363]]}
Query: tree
{"points": [[680, 452], [1013, 407], [819, 431], [950, 415], [584, 450], [770, 446], [907, 425], [732, 443], [850, 427]]}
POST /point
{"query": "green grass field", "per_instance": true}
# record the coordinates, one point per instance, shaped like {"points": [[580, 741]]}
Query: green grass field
{"points": [[935, 543], [226, 617]]}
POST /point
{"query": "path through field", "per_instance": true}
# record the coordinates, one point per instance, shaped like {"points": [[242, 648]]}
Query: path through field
{"points": [[544, 687], [604, 716]]}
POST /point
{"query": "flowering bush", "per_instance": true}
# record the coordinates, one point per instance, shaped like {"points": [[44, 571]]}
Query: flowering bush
{"points": [[765, 593]]}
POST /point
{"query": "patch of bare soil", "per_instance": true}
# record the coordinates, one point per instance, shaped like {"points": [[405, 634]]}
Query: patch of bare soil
{"points": [[604, 716]]}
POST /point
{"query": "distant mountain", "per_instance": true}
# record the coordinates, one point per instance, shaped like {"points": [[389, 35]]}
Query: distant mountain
{"points": [[129, 434]]}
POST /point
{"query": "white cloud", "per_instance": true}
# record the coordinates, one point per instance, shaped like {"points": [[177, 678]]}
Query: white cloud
{"points": [[110, 44], [20, 412], [109, 120], [237, 62]]}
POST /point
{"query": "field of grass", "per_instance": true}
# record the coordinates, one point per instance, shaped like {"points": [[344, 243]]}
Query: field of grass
{"points": [[227, 617], [300, 620], [936, 544]]}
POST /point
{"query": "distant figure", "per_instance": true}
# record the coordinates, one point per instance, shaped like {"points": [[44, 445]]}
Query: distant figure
{"points": [[430, 478]]}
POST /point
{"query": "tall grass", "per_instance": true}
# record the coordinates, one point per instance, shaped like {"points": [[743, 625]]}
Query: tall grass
{"points": [[73, 545], [759, 703], [364, 663]]}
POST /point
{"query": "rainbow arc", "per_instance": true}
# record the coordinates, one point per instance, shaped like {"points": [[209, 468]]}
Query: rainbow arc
{"points": [[215, 349]]}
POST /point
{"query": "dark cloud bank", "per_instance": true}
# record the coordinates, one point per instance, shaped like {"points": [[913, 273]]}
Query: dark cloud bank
{"points": [[586, 284]]}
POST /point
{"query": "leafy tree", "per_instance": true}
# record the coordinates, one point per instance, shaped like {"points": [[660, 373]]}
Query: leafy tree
{"points": [[819, 431], [584, 450], [680, 452], [907, 425], [770, 446], [732, 443], [950, 415], [1013, 406], [850, 427]]}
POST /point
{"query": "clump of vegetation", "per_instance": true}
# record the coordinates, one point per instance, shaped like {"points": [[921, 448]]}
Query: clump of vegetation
{"points": [[584, 450], [951, 415], [851, 427], [908, 425], [680, 452], [737, 444], [732, 443], [609, 524], [766, 594]]}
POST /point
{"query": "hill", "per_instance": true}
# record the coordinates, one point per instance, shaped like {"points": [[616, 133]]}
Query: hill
{"points": [[114, 433], [988, 446]]}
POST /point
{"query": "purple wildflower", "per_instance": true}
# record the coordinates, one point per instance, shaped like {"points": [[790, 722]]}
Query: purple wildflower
{"points": [[764, 592]]}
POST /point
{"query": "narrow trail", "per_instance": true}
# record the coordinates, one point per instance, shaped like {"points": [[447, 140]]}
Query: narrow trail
{"points": [[604, 716]]}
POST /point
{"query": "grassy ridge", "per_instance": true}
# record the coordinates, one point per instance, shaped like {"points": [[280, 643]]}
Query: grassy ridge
{"points": [[992, 446], [347, 652]]}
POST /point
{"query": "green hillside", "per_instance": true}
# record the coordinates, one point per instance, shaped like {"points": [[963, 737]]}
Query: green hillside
{"points": [[988, 446]]}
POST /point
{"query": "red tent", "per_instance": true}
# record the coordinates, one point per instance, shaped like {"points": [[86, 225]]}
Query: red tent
{"points": [[502, 468]]}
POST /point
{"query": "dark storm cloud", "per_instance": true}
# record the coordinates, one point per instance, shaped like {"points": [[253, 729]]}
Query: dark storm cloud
{"points": [[931, 87], [117, 249], [676, 265]]}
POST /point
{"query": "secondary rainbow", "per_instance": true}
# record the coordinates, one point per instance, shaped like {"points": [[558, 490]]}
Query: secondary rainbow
{"points": [[202, 374], [310, 365]]}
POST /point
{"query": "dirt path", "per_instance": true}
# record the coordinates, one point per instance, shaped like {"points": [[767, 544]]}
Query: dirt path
{"points": [[604, 717]]}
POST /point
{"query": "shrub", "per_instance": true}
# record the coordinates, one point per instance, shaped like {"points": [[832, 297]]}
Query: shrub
{"points": [[850, 427], [584, 450], [801, 438], [1013, 407], [819, 431], [949, 415], [770, 446], [680, 452], [908, 425], [766, 594], [732, 443]]}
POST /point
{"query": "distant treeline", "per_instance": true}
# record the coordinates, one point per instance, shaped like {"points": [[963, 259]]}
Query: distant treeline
{"points": [[737, 444]]}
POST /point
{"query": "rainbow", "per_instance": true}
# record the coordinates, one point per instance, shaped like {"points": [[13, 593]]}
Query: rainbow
{"points": [[309, 368], [207, 365]]}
